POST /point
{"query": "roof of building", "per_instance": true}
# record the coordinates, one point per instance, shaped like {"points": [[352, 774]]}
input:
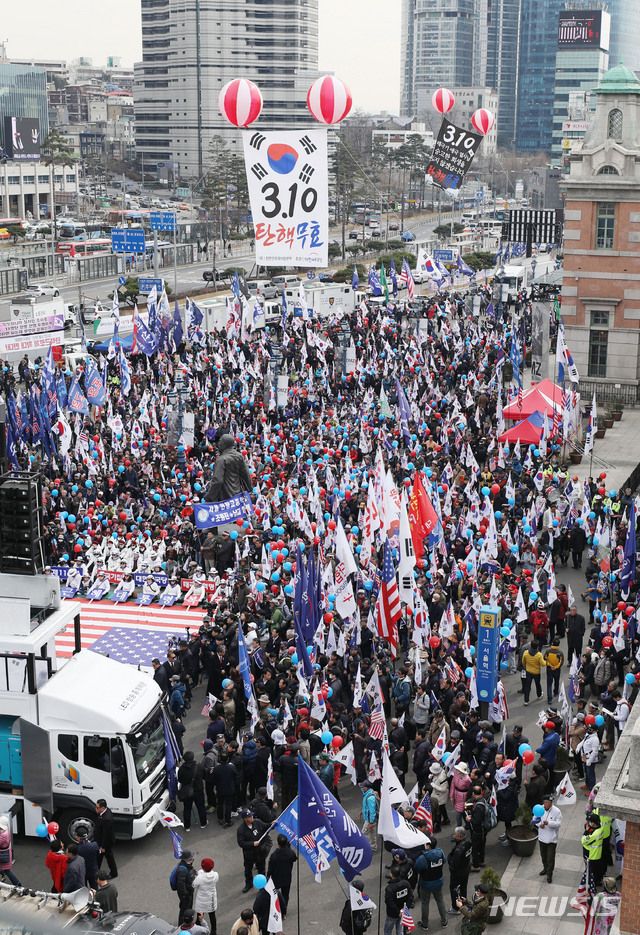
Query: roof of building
{"points": [[619, 80]]}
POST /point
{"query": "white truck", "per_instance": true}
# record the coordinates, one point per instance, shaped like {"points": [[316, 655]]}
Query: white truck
{"points": [[321, 299], [75, 732]]}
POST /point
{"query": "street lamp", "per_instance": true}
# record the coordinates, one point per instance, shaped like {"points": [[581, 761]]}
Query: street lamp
{"points": [[344, 334], [176, 396], [276, 357]]}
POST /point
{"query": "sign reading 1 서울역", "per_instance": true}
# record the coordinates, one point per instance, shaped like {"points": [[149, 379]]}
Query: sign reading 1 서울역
{"points": [[287, 176], [487, 652], [452, 155], [126, 240]]}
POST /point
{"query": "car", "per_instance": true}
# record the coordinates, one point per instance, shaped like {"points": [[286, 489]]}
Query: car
{"points": [[93, 311], [394, 226], [407, 236], [213, 275], [375, 232], [4, 234], [43, 289], [355, 235], [284, 282], [262, 288]]}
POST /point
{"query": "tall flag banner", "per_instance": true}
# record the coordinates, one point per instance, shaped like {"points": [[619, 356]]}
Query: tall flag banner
{"points": [[405, 412], [125, 372], [591, 428], [274, 922], [388, 606], [355, 279], [319, 809], [243, 663], [423, 519], [383, 282], [76, 400], [407, 277], [628, 573], [49, 383], [93, 384], [394, 278], [291, 224], [177, 325], [391, 825], [374, 281]]}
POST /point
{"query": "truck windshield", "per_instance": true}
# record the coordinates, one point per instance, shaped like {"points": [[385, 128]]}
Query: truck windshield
{"points": [[147, 746]]}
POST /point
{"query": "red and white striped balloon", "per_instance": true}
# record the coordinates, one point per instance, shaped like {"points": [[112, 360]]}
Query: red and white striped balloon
{"points": [[483, 120], [443, 100], [329, 99], [240, 101]]}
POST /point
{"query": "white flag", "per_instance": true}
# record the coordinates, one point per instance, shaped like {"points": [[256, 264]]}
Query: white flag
{"points": [[360, 900], [565, 793], [270, 787], [391, 825], [275, 910], [345, 565], [169, 820], [407, 564]]}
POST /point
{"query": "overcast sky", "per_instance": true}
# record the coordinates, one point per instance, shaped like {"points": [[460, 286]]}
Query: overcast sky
{"points": [[359, 39]]}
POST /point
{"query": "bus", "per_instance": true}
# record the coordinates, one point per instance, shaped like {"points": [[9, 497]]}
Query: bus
{"points": [[84, 247], [11, 222]]}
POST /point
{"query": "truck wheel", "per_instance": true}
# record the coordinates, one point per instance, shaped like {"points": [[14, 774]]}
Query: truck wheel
{"points": [[56, 293], [74, 820]]}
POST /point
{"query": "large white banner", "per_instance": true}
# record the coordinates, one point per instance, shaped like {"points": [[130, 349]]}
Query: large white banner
{"points": [[32, 342], [287, 177]]}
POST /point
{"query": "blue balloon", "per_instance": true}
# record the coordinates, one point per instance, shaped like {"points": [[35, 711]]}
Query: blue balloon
{"points": [[446, 755], [472, 650], [260, 881], [468, 671], [508, 622], [505, 631], [599, 720], [88, 484], [260, 586], [72, 517], [326, 737], [533, 597], [523, 748], [288, 589], [294, 659], [41, 831], [121, 469], [504, 664], [538, 811], [630, 678], [486, 491]]}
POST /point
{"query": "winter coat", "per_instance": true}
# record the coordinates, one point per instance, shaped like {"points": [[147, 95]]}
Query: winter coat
{"points": [[440, 788], [549, 748], [249, 753], [224, 777], [57, 862], [75, 876], [459, 787], [507, 802], [205, 893], [5, 844]]}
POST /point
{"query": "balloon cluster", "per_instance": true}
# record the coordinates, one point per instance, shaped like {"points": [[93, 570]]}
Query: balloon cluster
{"points": [[328, 99]]}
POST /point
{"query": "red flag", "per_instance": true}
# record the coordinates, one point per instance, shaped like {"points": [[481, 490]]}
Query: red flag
{"points": [[422, 516]]}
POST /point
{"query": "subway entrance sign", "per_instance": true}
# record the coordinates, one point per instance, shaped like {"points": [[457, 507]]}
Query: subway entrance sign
{"points": [[487, 652]]}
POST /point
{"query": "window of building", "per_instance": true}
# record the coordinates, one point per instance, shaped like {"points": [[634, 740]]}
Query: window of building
{"points": [[599, 318], [70, 178], [614, 124], [28, 179], [13, 179], [605, 224], [43, 179], [598, 343], [608, 170]]}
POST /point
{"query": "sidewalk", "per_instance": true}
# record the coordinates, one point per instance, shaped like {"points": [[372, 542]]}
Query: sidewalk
{"points": [[619, 449]]}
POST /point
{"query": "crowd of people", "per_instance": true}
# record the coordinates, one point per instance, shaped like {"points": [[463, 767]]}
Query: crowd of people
{"points": [[329, 474]]}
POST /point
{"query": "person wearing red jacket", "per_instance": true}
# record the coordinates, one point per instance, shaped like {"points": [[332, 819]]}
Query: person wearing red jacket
{"points": [[56, 860], [539, 623]]}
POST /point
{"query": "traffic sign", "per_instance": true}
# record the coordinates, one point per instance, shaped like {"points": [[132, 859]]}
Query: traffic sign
{"points": [[162, 220], [183, 192], [311, 274], [487, 652], [122, 280], [146, 285], [443, 256], [125, 240]]}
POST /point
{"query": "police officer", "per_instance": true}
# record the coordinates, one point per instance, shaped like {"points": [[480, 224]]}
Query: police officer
{"points": [[459, 868]]}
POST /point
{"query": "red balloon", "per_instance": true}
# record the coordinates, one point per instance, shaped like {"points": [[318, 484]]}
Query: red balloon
{"points": [[434, 642], [53, 827], [329, 99], [495, 489], [622, 605], [274, 588], [443, 100], [590, 719], [528, 756], [607, 641], [337, 742], [240, 101], [328, 617], [629, 611], [123, 516], [603, 475], [331, 524], [483, 120], [77, 548]]}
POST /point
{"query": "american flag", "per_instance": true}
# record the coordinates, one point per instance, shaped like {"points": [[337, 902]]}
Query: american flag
{"points": [[388, 606], [586, 891], [378, 723], [423, 812], [453, 670], [405, 276], [406, 921], [99, 618], [310, 841], [520, 398]]}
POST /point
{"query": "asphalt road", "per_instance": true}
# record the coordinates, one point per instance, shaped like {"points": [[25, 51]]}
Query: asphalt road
{"points": [[144, 866]]}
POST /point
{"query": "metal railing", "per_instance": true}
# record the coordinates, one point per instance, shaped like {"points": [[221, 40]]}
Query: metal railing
{"points": [[628, 393]]}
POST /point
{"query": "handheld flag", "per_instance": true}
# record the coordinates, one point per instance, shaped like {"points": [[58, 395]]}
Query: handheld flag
{"points": [[360, 900], [355, 280]]}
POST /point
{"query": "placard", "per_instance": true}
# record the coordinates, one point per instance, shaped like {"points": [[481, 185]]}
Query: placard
{"points": [[452, 155], [287, 177], [34, 342]]}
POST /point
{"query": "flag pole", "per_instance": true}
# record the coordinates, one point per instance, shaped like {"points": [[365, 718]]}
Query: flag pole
{"points": [[380, 886], [298, 881]]}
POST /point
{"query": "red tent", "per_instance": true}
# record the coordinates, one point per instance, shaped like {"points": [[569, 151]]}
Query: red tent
{"points": [[544, 396], [529, 431]]}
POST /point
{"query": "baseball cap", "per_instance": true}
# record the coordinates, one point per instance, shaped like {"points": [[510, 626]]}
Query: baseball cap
{"points": [[398, 852], [246, 813]]}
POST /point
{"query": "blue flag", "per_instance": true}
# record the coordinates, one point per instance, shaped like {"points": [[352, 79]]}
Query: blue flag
{"points": [[177, 325], [374, 281], [312, 618], [243, 662], [284, 311], [490, 311], [301, 648], [300, 591], [93, 384], [287, 824], [34, 407], [628, 573], [195, 316], [125, 372], [49, 383], [405, 412], [61, 390], [235, 285], [462, 266], [394, 278], [355, 279], [171, 755], [319, 809], [176, 840], [12, 453], [25, 425], [77, 401]]}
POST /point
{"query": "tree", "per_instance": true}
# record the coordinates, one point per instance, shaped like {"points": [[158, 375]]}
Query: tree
{"points": [[56, 151]]}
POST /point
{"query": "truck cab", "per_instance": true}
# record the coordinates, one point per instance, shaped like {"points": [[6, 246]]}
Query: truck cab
{"points": [[76, 731]]}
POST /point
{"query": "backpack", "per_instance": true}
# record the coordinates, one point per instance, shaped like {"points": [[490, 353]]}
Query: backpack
{"points": [[173, 879], [490, 819]]}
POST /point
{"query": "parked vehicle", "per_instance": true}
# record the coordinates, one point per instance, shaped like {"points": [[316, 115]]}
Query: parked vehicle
{"points": [[43, 289]]}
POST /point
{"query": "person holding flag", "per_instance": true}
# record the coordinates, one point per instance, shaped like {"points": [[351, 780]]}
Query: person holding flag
{"points": [[354, 920]]}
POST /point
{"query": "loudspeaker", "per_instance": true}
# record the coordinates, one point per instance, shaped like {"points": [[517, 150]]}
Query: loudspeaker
{"points": [[21, 524]]}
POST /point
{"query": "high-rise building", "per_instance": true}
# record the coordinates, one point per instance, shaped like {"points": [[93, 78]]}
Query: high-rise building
{"points": [[581, 62], [23, 93], [190, 49], [495, 59], [625, 33], [538, 34], [437, 50]]}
